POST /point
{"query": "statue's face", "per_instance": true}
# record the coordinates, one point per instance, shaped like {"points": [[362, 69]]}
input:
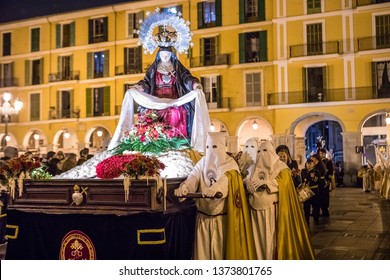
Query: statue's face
{"points": [[165, 56]]}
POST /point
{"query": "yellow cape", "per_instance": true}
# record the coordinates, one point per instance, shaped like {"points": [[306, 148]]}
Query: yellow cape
{"points": [[239, 236], [293, 236]]}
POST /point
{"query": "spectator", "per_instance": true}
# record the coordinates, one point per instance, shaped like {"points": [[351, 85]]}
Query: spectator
{"points": [[83, 156], [69, 162], [285, 156], [10, 152], [61, 156]]}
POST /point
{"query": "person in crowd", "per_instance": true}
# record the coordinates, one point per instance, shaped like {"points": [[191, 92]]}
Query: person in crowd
{"points": [[248, 158], [52, 167], [368, 178], [311, 176], [10, 152], [279, 227], [222, 222], [61, 156], [285, 156], [320, 166], [339, 173], [329, 177], [83, 156], [69, 162]]}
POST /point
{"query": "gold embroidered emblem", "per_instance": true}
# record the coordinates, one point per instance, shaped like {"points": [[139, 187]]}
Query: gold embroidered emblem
{"points": [[237, 199], [76, 245]]}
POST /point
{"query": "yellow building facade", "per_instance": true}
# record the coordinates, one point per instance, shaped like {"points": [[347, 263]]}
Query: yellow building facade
{"points": [[283, 65]]}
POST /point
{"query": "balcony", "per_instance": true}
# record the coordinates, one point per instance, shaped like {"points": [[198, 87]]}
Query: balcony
{"points": [[62, 76], [221, 103], [220, 59], [320, 48], [374, 43], [359, 3], [10, 82], [324, 95], [131, 69]]}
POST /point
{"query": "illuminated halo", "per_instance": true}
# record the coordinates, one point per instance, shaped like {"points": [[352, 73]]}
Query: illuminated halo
{"points": [[180, 39]]}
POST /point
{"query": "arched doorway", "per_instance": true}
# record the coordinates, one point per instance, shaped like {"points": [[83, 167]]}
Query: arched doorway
{"points": [[254, 127], [329, 133], [374, 135]]}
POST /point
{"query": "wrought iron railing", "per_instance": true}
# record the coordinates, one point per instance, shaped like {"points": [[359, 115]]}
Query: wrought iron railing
{"points": [[220, 59], [10, 82], [319, 48], [324, 95], [374, 43], [64, 76], [134, 69]]}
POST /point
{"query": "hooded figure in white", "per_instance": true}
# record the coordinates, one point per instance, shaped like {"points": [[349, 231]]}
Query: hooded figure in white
{"points": [[208, 177], [279, 227], [247, 161]]}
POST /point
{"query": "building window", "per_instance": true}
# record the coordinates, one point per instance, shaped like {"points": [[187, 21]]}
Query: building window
{"points": [[35, 106], [209, 50], [252, 10], [34, 72], [314, 86], [382, 29], [253, 89], [253, 47], [65, 67], [211, 88], [314, 39], [98, 30], [313, 6], [98, 102], [133, 24], [64, 103], [35, 39], [133, 60], [6, 44], [209, 14], [98, 64], [6, 74], [381, 78], [65, 35]]}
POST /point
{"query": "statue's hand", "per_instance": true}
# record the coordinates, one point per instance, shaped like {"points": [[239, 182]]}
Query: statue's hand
{"points": [[182, 190], [198, 86]]}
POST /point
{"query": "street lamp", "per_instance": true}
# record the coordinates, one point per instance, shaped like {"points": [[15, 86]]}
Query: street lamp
{"points": [[7, 110]]}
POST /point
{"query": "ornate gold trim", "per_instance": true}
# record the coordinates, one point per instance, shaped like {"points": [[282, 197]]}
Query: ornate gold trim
{"points": [[16, 233], [151, 242]]}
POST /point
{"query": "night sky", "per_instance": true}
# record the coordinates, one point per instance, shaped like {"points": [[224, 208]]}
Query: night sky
{"points": [[12, 10]]}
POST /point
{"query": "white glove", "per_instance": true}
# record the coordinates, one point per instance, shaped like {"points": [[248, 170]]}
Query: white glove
{"points": [[197, 86], [255, 184], [209, 192], [182, 190]]}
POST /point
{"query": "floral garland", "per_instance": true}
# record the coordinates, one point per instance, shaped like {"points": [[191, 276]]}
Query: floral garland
{"points": [[133, 165], [152, 136]]}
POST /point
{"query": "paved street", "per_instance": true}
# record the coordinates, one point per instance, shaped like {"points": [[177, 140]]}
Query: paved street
{"points": [[358, 227]]}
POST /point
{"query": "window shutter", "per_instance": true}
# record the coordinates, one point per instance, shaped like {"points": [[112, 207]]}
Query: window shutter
{"points": [[219, 99], [27, 72], [88, 105], [242, 11], [261, 10], [304, 84], [263, 45], [105, 29], [71, 66], [58, 107], [139, 16], [35, 39], [72, 33], [201, 55], [106, 69], [139, 55], [89, 65], [374, 75], [106, 101], [90, 31], [71, 101], [218, 12], [242, 47], [324, 83], [58, 36], [11, 70], [125, 58], [41, 78], [200, 15]]}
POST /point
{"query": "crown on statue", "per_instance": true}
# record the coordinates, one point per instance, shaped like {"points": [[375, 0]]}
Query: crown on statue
{"points": [[180, 38]]}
